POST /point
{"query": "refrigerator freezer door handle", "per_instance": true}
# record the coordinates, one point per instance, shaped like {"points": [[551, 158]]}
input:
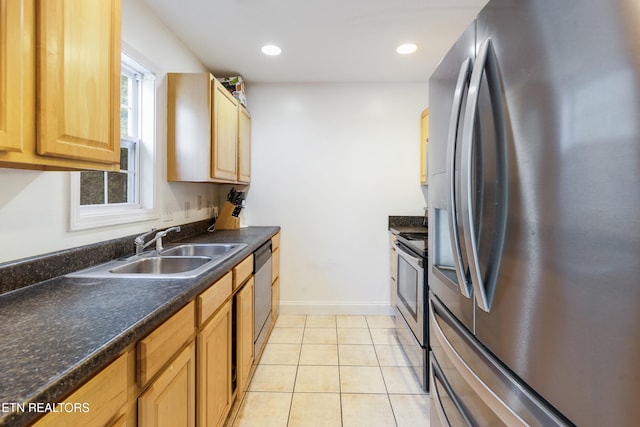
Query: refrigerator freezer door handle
{"points": [[435, 395], [438, 378], [462, 83], [485, 62], [500, 408]]}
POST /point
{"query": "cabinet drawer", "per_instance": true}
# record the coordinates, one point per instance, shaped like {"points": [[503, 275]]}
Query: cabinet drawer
{"points": [[242, 271], [157, 348], [210, 300], [275, 242], [97, 402]]}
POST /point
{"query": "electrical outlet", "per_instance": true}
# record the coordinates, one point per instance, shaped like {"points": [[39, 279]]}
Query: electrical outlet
{"points": [[215, 211], [187, 207], [168, 214], [199, 203]]}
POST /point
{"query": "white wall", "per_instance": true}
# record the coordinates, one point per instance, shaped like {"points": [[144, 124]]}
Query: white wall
{"points": [[330, 163], [34, 206]]}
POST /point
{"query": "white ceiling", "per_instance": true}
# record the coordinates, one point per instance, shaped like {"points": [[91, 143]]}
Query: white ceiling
{"points": [[321, 40]]}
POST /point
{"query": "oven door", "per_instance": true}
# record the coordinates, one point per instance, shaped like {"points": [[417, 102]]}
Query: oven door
{"points": [[411, 291]]}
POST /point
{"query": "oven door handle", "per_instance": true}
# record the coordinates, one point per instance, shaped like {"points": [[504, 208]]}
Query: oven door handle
{"points": [[409, 256]]}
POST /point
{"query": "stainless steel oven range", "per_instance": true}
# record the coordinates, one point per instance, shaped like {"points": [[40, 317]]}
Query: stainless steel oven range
{"points": [[412, 330]]}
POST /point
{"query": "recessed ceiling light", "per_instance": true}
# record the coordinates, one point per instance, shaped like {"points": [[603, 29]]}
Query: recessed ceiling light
{"points": [[407, 48], [271, 50]]}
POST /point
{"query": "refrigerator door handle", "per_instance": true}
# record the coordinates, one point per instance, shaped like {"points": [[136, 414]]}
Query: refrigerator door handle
{"points": [[464, 284], [485, 63]]}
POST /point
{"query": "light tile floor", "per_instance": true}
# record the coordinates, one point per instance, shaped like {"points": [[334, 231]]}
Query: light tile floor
{"points": [[333, 371]]}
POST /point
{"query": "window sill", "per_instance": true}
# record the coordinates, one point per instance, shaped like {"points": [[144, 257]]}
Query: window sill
{"points": [[84, 219]]}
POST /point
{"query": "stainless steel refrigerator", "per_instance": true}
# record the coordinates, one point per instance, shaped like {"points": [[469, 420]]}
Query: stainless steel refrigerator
{"points": [[534, 217]]}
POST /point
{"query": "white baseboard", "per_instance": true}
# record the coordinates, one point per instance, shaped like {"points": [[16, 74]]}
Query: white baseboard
{"points": [[333, 308]]}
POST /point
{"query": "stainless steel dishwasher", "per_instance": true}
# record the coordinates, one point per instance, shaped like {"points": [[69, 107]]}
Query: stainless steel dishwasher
{"points": [[261, 295]]}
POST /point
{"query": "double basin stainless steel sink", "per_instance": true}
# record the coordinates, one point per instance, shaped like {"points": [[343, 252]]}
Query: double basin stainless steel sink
{"points": [[182, 261]]}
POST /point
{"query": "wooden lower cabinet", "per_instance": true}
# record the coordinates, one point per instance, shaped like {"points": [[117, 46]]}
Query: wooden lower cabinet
{"points": [[275, 277], [120, 422], [393, 267], [170, 400], [157, 348], [275, 264], [97, 403], [275, 299], [244, 334], [214, 369]]}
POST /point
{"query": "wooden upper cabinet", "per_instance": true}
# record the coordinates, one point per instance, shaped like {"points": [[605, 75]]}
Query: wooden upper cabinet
{"points": [[224, 159], [17, 67], [203, 131], [424, 140], [78, 81], [244, 145], [188, 127], [60, 63]]}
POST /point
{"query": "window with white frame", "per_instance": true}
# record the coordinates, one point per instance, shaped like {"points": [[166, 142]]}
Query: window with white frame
{"points": [[107, 198]]}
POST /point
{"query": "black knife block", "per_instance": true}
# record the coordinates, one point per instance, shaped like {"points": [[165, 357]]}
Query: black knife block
{"points": [[226, 221]]}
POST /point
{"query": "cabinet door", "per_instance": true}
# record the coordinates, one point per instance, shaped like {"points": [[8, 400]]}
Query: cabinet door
{"points": [[275, 264], [214, 369], [17, 99], [224, 160], [157, 348], [99, 402], [78, 80], [189, 127], [393, 267], [244, 145], [244, 331], [275, 299], [424, 139], [171, 399]]}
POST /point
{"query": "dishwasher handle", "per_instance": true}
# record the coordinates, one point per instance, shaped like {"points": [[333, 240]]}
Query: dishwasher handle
{"points": [[261, 256]]}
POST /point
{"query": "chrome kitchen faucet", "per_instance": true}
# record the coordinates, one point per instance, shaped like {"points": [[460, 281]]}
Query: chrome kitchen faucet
{"points": [[141, 245]]}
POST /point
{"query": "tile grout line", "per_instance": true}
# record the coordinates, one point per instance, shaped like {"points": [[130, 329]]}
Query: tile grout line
{"points": [[295, 378], [384, 381], [339, 377]]}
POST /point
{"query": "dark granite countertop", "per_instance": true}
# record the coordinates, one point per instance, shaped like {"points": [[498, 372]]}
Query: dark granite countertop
{"points": [[58, 333], [407, 224]]}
